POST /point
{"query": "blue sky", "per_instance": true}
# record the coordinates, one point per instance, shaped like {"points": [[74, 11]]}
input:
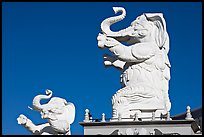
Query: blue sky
{"points": [[53, 46]]}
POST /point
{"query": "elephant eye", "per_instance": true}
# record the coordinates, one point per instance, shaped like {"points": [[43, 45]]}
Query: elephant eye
{"points": [[50, 110]]}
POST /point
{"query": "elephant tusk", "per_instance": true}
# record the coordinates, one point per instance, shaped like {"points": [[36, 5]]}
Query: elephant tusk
{"points": [[31, 108]]}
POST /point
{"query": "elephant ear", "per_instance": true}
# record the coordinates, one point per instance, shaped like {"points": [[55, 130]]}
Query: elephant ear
{"points": [[70, 112]]}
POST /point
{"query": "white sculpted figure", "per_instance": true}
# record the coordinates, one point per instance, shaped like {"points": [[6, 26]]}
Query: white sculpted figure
{"points": [[59, 113], [140, 52]]}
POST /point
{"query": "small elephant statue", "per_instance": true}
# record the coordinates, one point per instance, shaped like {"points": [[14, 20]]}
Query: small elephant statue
{"points": [[59, 113]]}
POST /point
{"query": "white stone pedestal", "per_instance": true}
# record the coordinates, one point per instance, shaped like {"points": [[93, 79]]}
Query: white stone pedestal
{"points": [[157, 127]]}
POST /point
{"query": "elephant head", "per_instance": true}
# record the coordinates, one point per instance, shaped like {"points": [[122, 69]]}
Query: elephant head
{"points": [[138, 29]]}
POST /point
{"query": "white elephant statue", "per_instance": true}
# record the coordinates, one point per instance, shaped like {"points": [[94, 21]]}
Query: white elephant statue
{"points": [[59, 113], [141, 53]]}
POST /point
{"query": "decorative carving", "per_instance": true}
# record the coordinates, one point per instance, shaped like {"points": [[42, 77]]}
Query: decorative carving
{"points": [[86, 116], [136, 117], [130, 131], [59, 113], [188, 113], [115, 132], [103, 118], [153, 115], [144, 63], [142, 131], [158, 132]]}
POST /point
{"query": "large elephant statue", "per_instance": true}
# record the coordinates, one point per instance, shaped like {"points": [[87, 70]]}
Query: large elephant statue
{"points": [[140, 52], [59, 113]]}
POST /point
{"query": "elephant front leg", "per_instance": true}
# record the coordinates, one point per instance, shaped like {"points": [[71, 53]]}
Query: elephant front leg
{"points": [[113, 61], [28, 124]]}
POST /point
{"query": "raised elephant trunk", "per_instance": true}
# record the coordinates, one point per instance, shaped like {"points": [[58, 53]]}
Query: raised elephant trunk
{"points": [[119, 35], [36, 101]]}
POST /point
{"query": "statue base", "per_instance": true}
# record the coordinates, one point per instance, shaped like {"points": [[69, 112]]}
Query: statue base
{"points": [[142, 114], [156, 127]]}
